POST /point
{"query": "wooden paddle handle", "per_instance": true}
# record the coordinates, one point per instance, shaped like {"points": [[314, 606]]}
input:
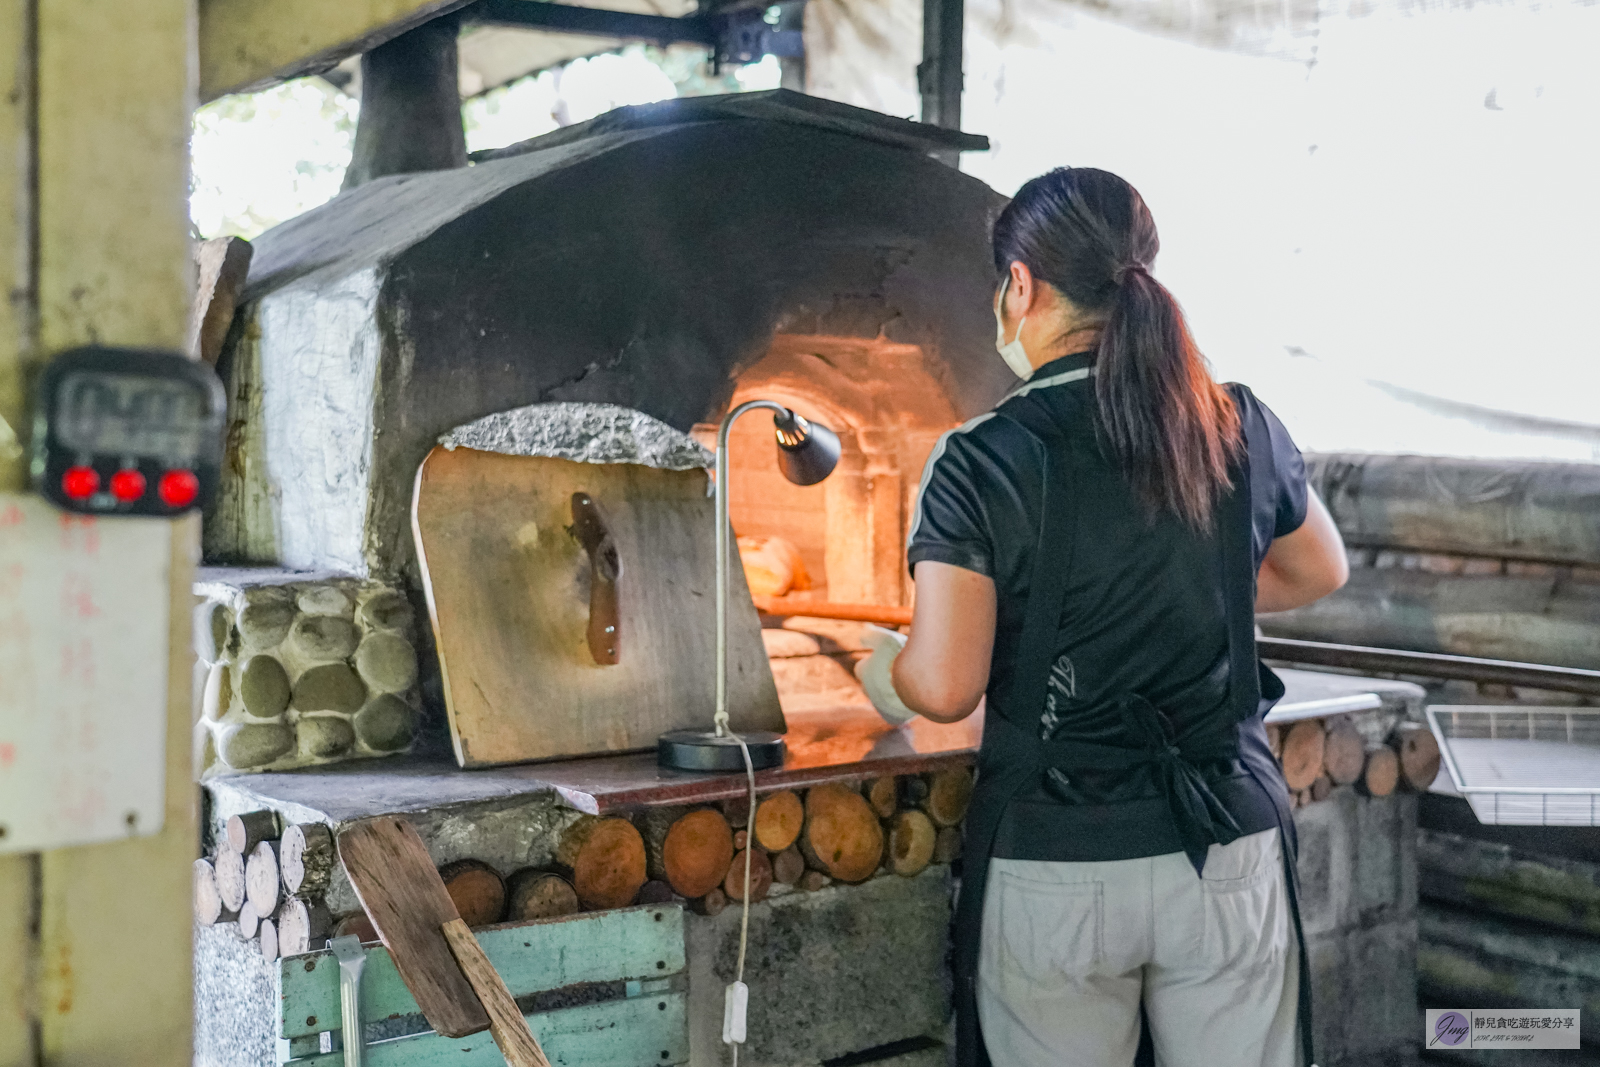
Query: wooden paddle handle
{"points": [[605, 567], [506, 1024]]}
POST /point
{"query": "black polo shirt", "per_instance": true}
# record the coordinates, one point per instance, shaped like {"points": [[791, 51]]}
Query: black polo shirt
{"points": [[1143, 611]]}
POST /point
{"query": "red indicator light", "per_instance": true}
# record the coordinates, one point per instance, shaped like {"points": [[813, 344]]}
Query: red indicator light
{"points": [[127, 485], [178, 489], [80, 483]]}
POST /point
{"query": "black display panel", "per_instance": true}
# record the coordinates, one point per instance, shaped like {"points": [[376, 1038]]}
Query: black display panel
{"points": [[127, 431], [128, 414]]}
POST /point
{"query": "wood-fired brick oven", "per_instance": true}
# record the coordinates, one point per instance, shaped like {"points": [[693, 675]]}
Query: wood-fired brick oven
{"points": [[673, 258]]}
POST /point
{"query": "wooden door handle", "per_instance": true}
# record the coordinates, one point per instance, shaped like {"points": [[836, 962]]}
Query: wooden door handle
{"points": [[605, 567]]}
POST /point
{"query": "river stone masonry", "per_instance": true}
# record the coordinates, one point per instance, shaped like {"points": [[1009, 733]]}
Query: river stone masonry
{"points": [[301, 669]]}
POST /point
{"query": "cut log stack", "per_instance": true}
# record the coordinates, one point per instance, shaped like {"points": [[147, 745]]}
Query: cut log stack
{"points": [[1320, 755], [833, 832], [268, 880]]}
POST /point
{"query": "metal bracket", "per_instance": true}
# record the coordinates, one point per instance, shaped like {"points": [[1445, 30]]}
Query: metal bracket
{"points": [[743, 35]]}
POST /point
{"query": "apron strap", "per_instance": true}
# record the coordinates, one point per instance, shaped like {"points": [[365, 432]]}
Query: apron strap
{"points": [[1052, 564], [1009, 758]]}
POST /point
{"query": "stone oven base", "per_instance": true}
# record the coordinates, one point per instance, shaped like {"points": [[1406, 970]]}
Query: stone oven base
{"points": [[842, 974], [844, 970]]}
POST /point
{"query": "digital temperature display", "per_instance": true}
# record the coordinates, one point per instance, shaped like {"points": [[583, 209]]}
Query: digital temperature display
{"points": [[129, 415], [125, 431]]}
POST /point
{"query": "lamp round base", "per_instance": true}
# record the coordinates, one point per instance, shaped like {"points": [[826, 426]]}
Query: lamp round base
{"points": [[703, 750]]}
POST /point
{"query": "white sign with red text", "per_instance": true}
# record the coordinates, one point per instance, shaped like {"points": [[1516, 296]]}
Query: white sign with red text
{"points": [[83, 675]]}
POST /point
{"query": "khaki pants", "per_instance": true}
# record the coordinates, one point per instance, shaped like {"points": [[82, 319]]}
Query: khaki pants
{"points": [[1070, 949]]}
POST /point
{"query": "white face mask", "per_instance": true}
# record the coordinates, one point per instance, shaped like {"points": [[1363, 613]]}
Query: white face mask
{"points": [[1012, 352]]}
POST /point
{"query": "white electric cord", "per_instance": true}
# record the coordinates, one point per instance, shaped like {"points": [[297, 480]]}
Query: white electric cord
{"points": [[744, 917]]}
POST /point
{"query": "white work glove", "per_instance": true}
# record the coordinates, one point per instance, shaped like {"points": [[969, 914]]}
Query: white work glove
{"points": [[876, 673]]}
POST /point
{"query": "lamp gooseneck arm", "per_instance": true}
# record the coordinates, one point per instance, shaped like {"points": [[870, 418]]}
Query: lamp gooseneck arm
{"points": [[723, 464]]}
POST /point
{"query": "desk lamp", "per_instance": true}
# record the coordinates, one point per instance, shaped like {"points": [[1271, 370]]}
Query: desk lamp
{"points": [[807, 453]]}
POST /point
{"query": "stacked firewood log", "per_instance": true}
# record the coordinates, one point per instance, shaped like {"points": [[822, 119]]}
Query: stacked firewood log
{"points": [[268, 880], [834, 832], [1320, 754]]}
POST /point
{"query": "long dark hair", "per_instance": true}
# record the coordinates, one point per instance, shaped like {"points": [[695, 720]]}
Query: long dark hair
{"points": [[1171, 428]]}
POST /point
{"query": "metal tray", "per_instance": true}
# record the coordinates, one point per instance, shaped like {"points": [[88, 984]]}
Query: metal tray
{"points": [[1523, 766]]}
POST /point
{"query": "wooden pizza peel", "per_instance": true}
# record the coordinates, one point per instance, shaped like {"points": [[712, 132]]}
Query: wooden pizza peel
{"points": [[526, 560]]}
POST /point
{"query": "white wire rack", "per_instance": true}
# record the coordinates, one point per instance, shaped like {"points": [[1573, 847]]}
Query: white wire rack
{"points": [[1523, 766]]}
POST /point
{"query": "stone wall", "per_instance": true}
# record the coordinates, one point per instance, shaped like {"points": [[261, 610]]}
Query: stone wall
{"points": [[1358, 880], [296, 670]]}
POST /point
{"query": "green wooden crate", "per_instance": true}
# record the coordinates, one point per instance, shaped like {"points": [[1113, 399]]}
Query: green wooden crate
{"points": [[635, 1032], [641, 947]]}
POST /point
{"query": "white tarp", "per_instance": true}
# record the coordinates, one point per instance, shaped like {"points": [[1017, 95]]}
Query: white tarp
{"points": [[1381, 216]]}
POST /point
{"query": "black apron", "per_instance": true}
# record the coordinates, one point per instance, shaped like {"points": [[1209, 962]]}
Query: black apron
{"points": [[1014, 757]]}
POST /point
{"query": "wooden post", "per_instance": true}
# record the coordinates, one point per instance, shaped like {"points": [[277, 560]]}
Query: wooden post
{"points": [[95, 123], [410, 106], [267, 940], [712, 903], [788, 866], [248, 922]]}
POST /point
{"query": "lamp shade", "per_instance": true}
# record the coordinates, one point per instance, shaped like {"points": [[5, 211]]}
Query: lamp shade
{"points": [[807, 451]]}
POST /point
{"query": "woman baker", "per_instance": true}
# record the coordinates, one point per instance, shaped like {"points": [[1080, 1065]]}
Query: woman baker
{"points": [[1089, 557]]}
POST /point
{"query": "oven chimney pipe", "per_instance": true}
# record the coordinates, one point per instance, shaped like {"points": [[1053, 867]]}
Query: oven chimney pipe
{"points": [[410, 105]]}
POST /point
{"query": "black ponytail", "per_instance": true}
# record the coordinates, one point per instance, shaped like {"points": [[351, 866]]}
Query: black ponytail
{"points": [[1170, 427]]}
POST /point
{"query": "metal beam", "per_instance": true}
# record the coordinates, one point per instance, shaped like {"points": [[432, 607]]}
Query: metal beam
{"points": [[564, 18], [1431, 665], [939, 78]]}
